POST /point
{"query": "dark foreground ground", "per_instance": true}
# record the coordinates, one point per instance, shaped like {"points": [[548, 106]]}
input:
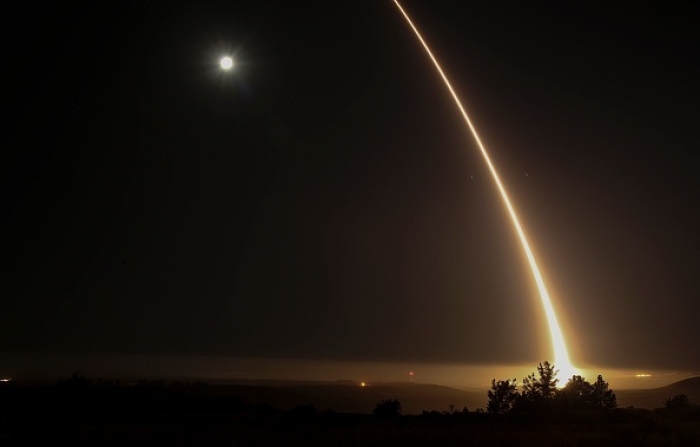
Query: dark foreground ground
{"points": [[196, 414]]}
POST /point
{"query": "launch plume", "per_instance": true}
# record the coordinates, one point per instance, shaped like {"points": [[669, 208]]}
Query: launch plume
{"points": [[561, 355]]}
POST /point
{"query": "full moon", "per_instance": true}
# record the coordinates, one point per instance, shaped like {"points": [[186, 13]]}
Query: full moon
{"points": [[226, 63]]}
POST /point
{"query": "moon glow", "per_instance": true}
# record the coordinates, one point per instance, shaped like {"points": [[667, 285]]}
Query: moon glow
{"points": [[226, 63]]}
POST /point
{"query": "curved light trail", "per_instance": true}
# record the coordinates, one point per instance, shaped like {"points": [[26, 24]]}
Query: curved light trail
{"points": [[561, 355]]}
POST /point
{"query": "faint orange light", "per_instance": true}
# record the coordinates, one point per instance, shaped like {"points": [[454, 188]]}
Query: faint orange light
{"points": [[643, 375], [363, 384]]}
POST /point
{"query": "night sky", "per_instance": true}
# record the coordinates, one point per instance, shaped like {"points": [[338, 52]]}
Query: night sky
{"points": [[324, 199]]}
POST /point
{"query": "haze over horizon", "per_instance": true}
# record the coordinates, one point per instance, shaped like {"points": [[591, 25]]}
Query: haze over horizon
{"points": [[322, 200]]}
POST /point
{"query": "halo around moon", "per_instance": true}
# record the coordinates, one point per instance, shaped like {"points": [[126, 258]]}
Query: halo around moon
{"points": [[226, 63]]}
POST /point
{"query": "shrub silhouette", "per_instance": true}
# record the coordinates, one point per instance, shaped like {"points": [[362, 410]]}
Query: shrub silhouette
{"points": [[76, 380], [677, 401], [388, 408], [502, 396]]}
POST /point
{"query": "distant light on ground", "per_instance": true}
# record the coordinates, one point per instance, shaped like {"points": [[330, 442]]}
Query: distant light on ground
{"points": [[643, 375], [363, 384], [226, 63], [5, 380]]}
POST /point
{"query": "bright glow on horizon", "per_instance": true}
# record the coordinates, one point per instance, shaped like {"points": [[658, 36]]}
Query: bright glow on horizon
{"points": [[226, 63], [561, 355]]}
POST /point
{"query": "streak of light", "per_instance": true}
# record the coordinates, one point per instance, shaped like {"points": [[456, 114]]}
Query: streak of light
{"points": [[561, 355]]}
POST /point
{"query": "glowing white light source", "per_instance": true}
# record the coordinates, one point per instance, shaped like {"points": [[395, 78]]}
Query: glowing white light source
{"points": [[226, 63], [561, 355]]}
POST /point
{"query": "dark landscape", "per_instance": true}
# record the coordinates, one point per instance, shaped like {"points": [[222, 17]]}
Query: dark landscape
{"points": [[79, 411]]}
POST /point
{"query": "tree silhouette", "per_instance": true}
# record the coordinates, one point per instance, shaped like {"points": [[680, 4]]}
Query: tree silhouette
{"points": [[76, 380], [502, 396], [602, 396], [388, 408], [677, 401], [539, 392], [576, 394]]}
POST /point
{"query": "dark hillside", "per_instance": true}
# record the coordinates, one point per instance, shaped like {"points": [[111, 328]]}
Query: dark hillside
{"points": [[654, 398]]}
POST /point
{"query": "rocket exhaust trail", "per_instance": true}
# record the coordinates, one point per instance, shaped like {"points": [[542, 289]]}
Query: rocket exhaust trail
{"points": [[561, 355]]}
